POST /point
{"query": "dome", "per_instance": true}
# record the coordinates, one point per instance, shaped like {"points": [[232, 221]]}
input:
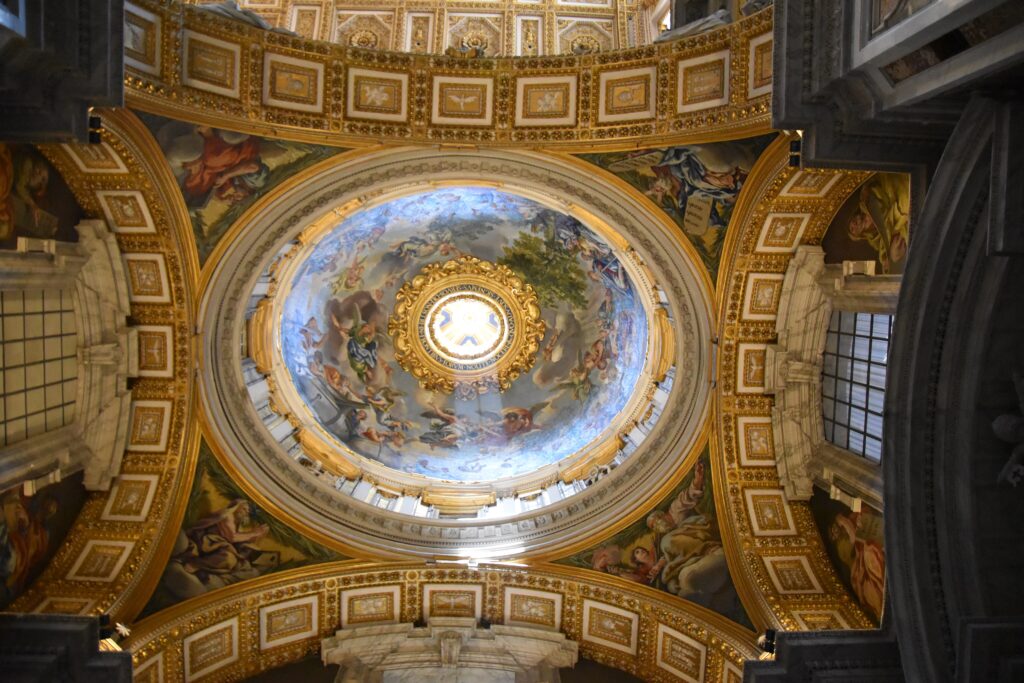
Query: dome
{"points": [[407, 334], [485, 355]]}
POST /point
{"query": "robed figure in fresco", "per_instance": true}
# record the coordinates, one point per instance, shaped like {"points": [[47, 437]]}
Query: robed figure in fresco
{"points": [[678, 548], [689, 542], [681, 173], [882, 219], [864, 559], [24, 180], [229, 166], [222, 544], [24, 540]]}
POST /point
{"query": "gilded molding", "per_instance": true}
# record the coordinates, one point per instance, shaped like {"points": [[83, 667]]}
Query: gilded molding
{"points": [[259, 342], [109, 564], [488, 27], [159, 641], [779, 570], [521, 316], [370, 96]]}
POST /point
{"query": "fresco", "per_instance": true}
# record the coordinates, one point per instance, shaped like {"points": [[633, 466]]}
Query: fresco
{"points": [[336, 348], [854, 541], [696, 185], [32, 529], [873, 224], [34, 200], [226, 538], [222, 173], [677, 548]]}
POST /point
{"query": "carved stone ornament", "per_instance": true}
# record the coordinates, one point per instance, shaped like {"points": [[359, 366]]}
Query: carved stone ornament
{"points": [[466, 326], [793, 372], [449, 649]]}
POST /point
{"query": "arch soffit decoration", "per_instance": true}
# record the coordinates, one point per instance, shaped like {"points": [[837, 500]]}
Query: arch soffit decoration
{"points": [[132, 144], [782, 572], [350, 179], [325, 597], [714, 86], [114, 553]]}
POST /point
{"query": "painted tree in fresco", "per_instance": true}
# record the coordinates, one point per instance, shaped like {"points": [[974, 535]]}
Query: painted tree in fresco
{"points": [[552, 270]]}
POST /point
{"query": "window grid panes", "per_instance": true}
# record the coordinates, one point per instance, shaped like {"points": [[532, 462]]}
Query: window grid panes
{"points": [[853, 381], [38, 363]]}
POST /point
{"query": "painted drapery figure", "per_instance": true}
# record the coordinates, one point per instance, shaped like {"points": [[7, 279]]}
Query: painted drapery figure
{"points": [[223, 543], [677, 548]]}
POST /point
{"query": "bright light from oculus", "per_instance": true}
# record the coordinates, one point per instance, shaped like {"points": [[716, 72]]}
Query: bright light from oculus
{"points": [[466, 326]]}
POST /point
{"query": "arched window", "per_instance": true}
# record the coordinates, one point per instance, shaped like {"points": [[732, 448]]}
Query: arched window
{"points": [[38, 365], [853, 381]]}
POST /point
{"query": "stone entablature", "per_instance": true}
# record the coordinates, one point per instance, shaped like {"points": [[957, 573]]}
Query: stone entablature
{"points": [[448, 650]]}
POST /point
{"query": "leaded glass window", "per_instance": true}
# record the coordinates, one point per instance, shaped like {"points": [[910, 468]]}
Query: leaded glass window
{"points": [[853, 381]]}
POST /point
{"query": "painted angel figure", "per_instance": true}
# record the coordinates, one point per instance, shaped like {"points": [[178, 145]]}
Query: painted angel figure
{"points": [[361, 345], [312, 337], [578, 382], [604, 266], [445, 428]]}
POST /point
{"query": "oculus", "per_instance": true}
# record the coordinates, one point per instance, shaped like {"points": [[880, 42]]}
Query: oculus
{"points": [[466, 326]]}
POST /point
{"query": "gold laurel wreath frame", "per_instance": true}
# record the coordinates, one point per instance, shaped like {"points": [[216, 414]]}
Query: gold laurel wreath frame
{"points": [[527, 326]]}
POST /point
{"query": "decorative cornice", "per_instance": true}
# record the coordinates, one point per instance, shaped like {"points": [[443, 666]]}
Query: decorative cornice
{"points": [[231, 87], [491, 27], [115, 552], [718, 644]]}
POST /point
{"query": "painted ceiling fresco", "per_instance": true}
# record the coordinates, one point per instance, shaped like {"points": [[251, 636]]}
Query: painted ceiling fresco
{"points": [[695, 185], [226, 538], [221, 173], [855, 544], [32, 529], [336, 348], [34, 200], [873, 224], [677, 548]]}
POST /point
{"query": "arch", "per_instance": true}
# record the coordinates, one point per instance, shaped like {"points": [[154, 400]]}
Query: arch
{"points": [[713, 645], [775, 553], [110, 559]]}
